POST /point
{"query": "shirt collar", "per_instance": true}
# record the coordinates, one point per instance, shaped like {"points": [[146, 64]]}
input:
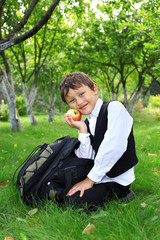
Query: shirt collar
{"points": [[96, 109]]}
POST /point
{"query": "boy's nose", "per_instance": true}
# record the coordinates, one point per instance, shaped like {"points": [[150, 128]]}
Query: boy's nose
{"points": [[79, 101]]}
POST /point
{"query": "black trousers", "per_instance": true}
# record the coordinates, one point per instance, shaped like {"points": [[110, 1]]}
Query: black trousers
{"points": [[98, 194]]}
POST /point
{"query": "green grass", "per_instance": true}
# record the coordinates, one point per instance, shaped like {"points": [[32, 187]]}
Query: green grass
{"points": [[137, 220]]}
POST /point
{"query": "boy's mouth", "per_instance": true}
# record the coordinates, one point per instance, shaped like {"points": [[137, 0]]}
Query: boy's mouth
{"points": [[83, 107]]}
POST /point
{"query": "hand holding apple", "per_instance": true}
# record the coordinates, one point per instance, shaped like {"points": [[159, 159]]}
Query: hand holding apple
{"points": [[76, 115]]}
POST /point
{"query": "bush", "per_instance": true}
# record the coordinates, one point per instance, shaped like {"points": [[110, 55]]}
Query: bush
{"points": [[4, 112], [154, 101], [21, 105], [154, 107], [138, 105]]}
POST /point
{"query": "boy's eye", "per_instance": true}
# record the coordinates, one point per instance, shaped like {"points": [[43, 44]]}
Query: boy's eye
{"points": [[72, 100], [81, 94]]}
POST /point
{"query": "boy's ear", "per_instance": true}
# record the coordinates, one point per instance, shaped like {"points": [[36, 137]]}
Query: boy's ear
{"points": [[95, 88]]}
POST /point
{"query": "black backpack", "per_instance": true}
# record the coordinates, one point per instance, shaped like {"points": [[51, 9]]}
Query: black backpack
{"points": [[50, 167]]}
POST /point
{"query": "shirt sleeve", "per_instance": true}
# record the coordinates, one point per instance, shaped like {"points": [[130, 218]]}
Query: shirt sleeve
{"points": [[85, 149], [114, 143]]}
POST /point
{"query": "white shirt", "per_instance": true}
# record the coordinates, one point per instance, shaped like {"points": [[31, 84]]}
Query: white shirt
{"points": [[113, 145]]}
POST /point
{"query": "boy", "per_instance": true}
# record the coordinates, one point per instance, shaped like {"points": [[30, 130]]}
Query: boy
{"points": [[106, 136]]}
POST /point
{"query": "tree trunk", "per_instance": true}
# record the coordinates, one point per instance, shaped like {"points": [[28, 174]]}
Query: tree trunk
{"points": [[50, 114], [125, 98], [29, 98], [134, 99], [15, 122], [51, 102], [7, 89]]}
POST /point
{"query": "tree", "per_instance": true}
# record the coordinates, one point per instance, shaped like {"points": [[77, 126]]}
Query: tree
{"points": [[7, 89], [49, 86], [30, 59], [8, 18], [122, 44], [9, 39]]}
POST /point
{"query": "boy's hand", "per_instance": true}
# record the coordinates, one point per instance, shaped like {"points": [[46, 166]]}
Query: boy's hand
{"points": [[81, 186], [80, 125]]}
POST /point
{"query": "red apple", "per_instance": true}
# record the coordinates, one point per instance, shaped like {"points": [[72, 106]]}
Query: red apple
{"points": [[76, 115]]}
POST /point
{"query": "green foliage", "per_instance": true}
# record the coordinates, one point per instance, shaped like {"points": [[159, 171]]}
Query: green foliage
{"points": [[151, 111], [116, 43], [154, 107], [21, 105], [154, 102], [4, 112]]}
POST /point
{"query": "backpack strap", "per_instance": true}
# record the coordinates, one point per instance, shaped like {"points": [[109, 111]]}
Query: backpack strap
{"points": [[69, 176], [29, 156]]}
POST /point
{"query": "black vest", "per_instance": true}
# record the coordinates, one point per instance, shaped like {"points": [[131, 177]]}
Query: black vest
{"points": [[128, 159]]}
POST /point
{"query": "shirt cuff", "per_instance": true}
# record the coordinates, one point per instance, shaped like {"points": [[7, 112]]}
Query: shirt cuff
{"points": [[83, 138], [95, 175]]}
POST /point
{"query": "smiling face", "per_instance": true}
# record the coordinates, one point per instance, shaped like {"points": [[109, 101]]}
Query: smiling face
{"points": [[82, 98]]}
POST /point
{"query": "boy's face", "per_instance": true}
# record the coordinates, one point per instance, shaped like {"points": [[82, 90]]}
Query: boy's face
{"points": [[83, 98]]}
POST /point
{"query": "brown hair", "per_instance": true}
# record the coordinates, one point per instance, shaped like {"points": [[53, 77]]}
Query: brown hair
{"points": [[74, 80]]}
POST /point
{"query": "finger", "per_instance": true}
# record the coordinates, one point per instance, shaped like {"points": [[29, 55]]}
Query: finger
{"points": [[67, 119], [70, 120], [81, 193], [72, 191]]}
